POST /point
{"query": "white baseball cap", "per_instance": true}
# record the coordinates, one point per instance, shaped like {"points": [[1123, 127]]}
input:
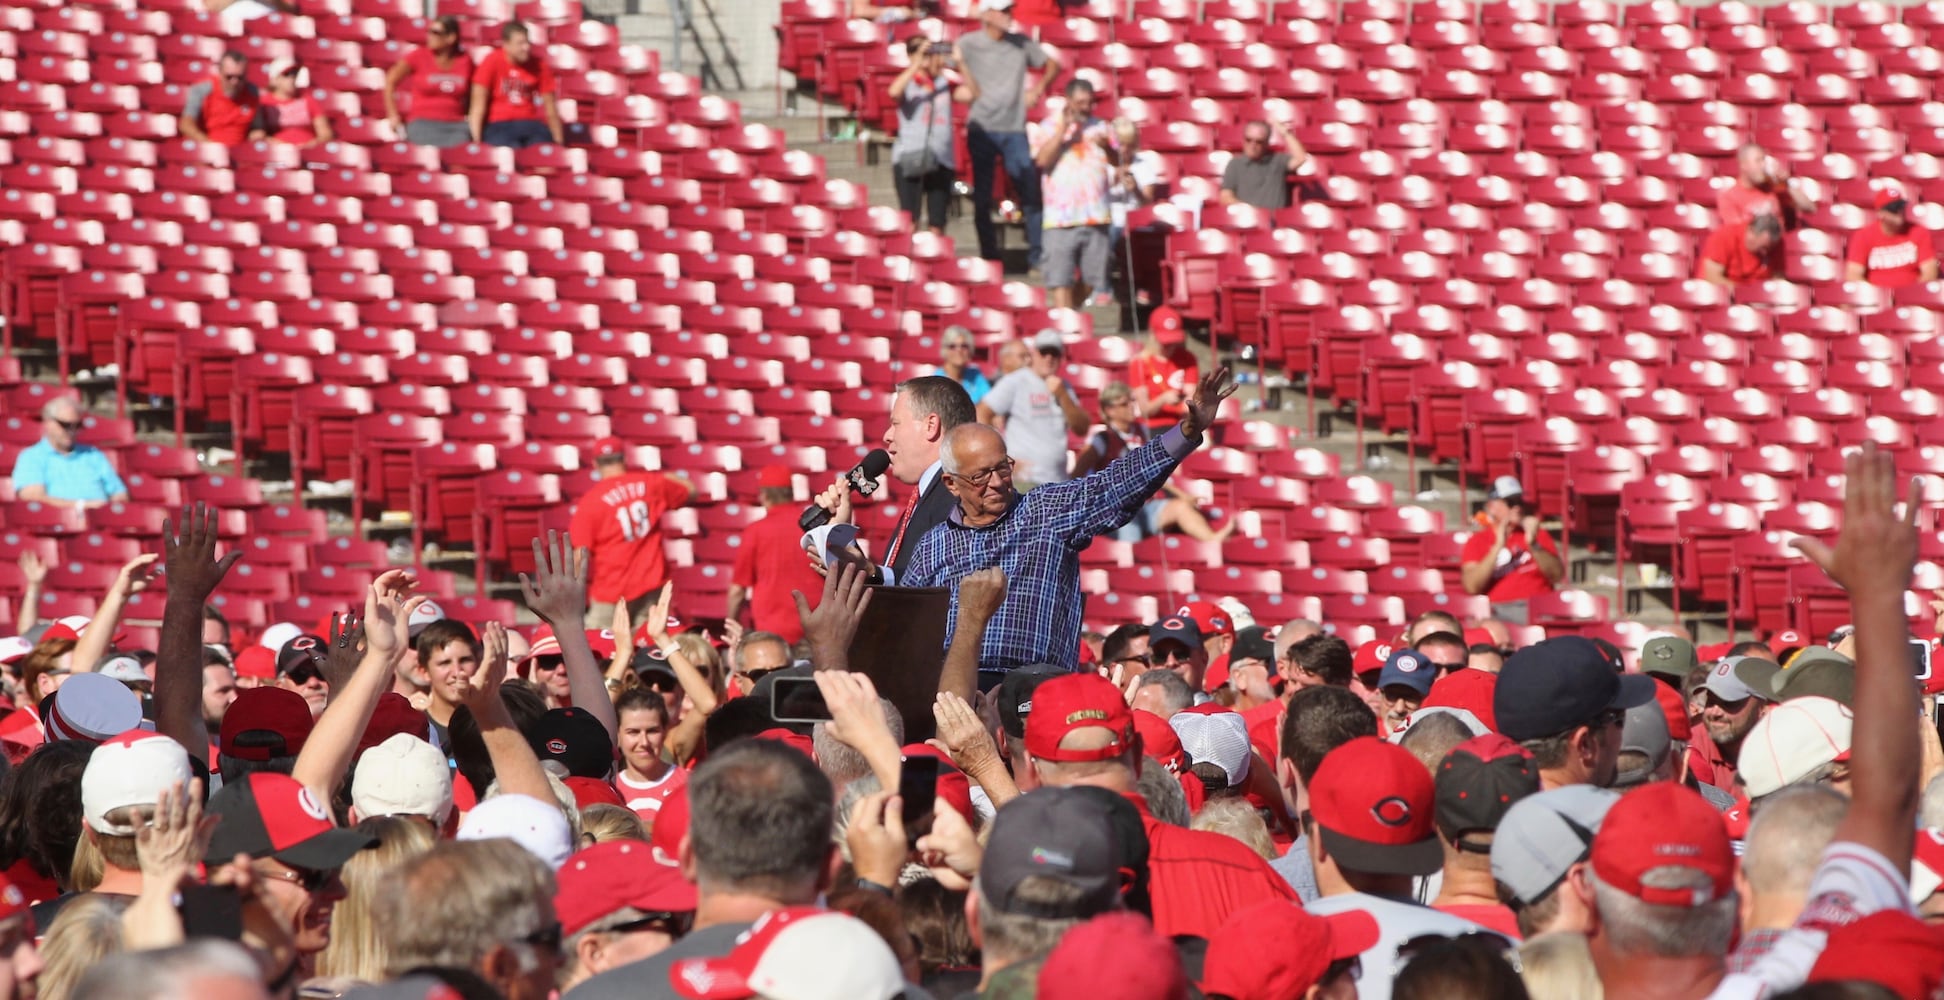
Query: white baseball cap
{"points": [[1221, 739], [535, 825], [797, 954], [274, 637], [15, 648], [991, 5], [1505, 488], [132, 769], [403, 776], [125, 669], [423, 615], [1793, 739]]}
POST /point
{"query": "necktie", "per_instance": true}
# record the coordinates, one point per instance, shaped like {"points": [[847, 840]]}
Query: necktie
{"points": [[904, 521]]}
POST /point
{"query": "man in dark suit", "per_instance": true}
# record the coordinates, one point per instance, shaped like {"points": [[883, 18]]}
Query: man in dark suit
{"points": [[922, 410]]}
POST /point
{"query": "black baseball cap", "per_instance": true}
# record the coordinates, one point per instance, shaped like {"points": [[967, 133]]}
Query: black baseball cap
{"points": [[575, 738], [300, 650], [1253, 643], [1130, 832], [1058, 833], [1477, 783], [1016, 695], [269, 815], [1550, 687]]}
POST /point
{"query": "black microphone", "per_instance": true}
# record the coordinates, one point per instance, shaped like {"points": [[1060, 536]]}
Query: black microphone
{"points": [[863, 479]]}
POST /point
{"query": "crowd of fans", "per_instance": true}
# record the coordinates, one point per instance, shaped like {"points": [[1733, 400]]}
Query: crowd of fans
{"points": [[390, 803]]}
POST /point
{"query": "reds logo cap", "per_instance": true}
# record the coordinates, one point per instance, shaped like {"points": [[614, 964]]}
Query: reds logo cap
{"points": [[1373, 804], [1067, 703], [573, 737], [1211, 618], [271, 815], [1370, 657], [1664, 825]]}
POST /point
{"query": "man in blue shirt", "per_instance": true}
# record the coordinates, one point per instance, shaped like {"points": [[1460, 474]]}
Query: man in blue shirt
{"points": [[1036, 537], [61, 471]]}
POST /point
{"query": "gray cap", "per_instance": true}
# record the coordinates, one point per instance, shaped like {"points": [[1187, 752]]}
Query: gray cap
{"points": [[1725, 683], [1645, 732], [1545, 835], [1817, 672]]}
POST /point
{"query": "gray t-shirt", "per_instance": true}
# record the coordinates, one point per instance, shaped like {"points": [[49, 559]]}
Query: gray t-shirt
{"points": [[925, 112], [1036, 430], [999, 68], [1262, 183], [648, 978]]}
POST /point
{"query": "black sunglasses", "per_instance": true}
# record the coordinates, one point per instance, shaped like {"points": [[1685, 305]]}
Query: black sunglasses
{"points": [[72, 425], [304, 673], [756, 675], [546, 939], [668, 922]]}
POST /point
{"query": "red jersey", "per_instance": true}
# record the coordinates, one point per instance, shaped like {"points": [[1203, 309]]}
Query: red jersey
{"points": [[1736, 205], [439, 93], [1265, 728], [619, 522], [1177, 371], [769, 565], [1517, 575], [513, 90], [224, 119], [1198, 879], [1497, 917], [646, 799], [1891, 261], [1728, 246]]}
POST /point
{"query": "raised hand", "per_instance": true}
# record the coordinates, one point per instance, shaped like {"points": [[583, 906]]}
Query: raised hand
{"points": [[951, 850], [1876, 549], [833, 624], [343, 648], [962, 736], [189, 555], [856, 720], [172, 842], [557, 590], [1206, 403], [657, 623], [876, 837], [386, 627], [981, 592], [32, 568], [485, 682], [135, 576]]}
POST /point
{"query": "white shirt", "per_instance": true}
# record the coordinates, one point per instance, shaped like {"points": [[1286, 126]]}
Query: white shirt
{"points": [[1851, 883], [1396, 923], [925, 480]]}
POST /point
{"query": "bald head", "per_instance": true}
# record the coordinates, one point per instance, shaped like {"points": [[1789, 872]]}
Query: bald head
{"points": [[1787, 838], [971, 448]]}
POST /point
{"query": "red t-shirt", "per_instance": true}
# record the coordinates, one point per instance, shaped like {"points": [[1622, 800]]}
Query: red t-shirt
{"points": [[1157, 375], [770, 565], [1728, 246], [1265, 728], [619, 522], [646, 799], [228, 121], [292, 121], [1497, 917], [1198, 879], [514, 90], [1738, 204], [1517, 575], [1891, 261], [439, 94]]}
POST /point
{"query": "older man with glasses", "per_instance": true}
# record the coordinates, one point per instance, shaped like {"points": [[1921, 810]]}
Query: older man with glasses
{"points": [[1258, 177], [61, 471], [1035, 538], [224, 110]]}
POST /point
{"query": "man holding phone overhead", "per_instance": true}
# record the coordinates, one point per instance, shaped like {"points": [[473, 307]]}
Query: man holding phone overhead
{"points": [[1510, 558], [1036, 538]]}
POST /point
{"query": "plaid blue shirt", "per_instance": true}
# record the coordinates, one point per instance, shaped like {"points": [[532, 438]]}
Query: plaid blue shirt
{"points": [[1037, 543]]}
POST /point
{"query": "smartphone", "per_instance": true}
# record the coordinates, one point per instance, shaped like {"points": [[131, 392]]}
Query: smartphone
{"points": [[211, 911], [918, 787], [796, 699], [1920, 658]]}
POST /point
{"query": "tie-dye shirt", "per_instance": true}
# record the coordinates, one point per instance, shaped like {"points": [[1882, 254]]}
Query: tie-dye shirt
{"points": [[1075, 190]]}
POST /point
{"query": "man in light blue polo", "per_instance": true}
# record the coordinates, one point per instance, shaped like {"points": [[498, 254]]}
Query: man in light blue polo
{"points": [[61, 471]]}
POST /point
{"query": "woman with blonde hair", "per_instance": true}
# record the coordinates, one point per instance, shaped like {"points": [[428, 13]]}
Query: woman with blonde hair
{"points": [[605, 821], [86, 931], [358, 951], [1558, 966]]}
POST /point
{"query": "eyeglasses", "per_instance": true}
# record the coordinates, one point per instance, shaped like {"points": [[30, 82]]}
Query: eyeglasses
{"points": [[1254, 140], [978, 480], [1051, 352], [1172, 656], [1143, 660], [70, 425], [954, 346], [304, 673], [232, 76], [668, 922], [549, 663], [1608, 718], [311, 880], [546, 939], [1731, 707], [1448, 667]]}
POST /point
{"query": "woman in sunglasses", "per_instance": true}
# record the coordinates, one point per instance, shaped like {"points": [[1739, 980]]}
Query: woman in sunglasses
{"points": [[441, 87]]}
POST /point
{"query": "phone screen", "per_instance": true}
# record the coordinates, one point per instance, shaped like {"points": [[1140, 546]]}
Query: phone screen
{"points": [[918, 787], [1920, 658], [796, 699]]}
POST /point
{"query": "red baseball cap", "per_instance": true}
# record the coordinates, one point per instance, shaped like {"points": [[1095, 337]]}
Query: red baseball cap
{"points": [[256, 662], [266, 722], [1891, 948], [1374, 806], [1675, 708], [1117, 955], [1890, 194], [775, 477], [1160, 741], [1077, 701], [1277, 950], [393, 715], [274, 815], [608, 446], [601, 640], [1468, 689], [1786, 639], [1664, 825], [593, 791], [670, 826], [1210, 617], [790, 738], [1480, 637], [1370, 657], [602, 879], [1166, 326]]}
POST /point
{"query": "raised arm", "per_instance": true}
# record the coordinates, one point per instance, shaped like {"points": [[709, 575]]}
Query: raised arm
{"points": [[557, 592], [979, 595], [333, 743], [100, 633], [1105, 500], [1873, 558], [833, 624], [515, 766], [189, 556], [35, 571]]}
